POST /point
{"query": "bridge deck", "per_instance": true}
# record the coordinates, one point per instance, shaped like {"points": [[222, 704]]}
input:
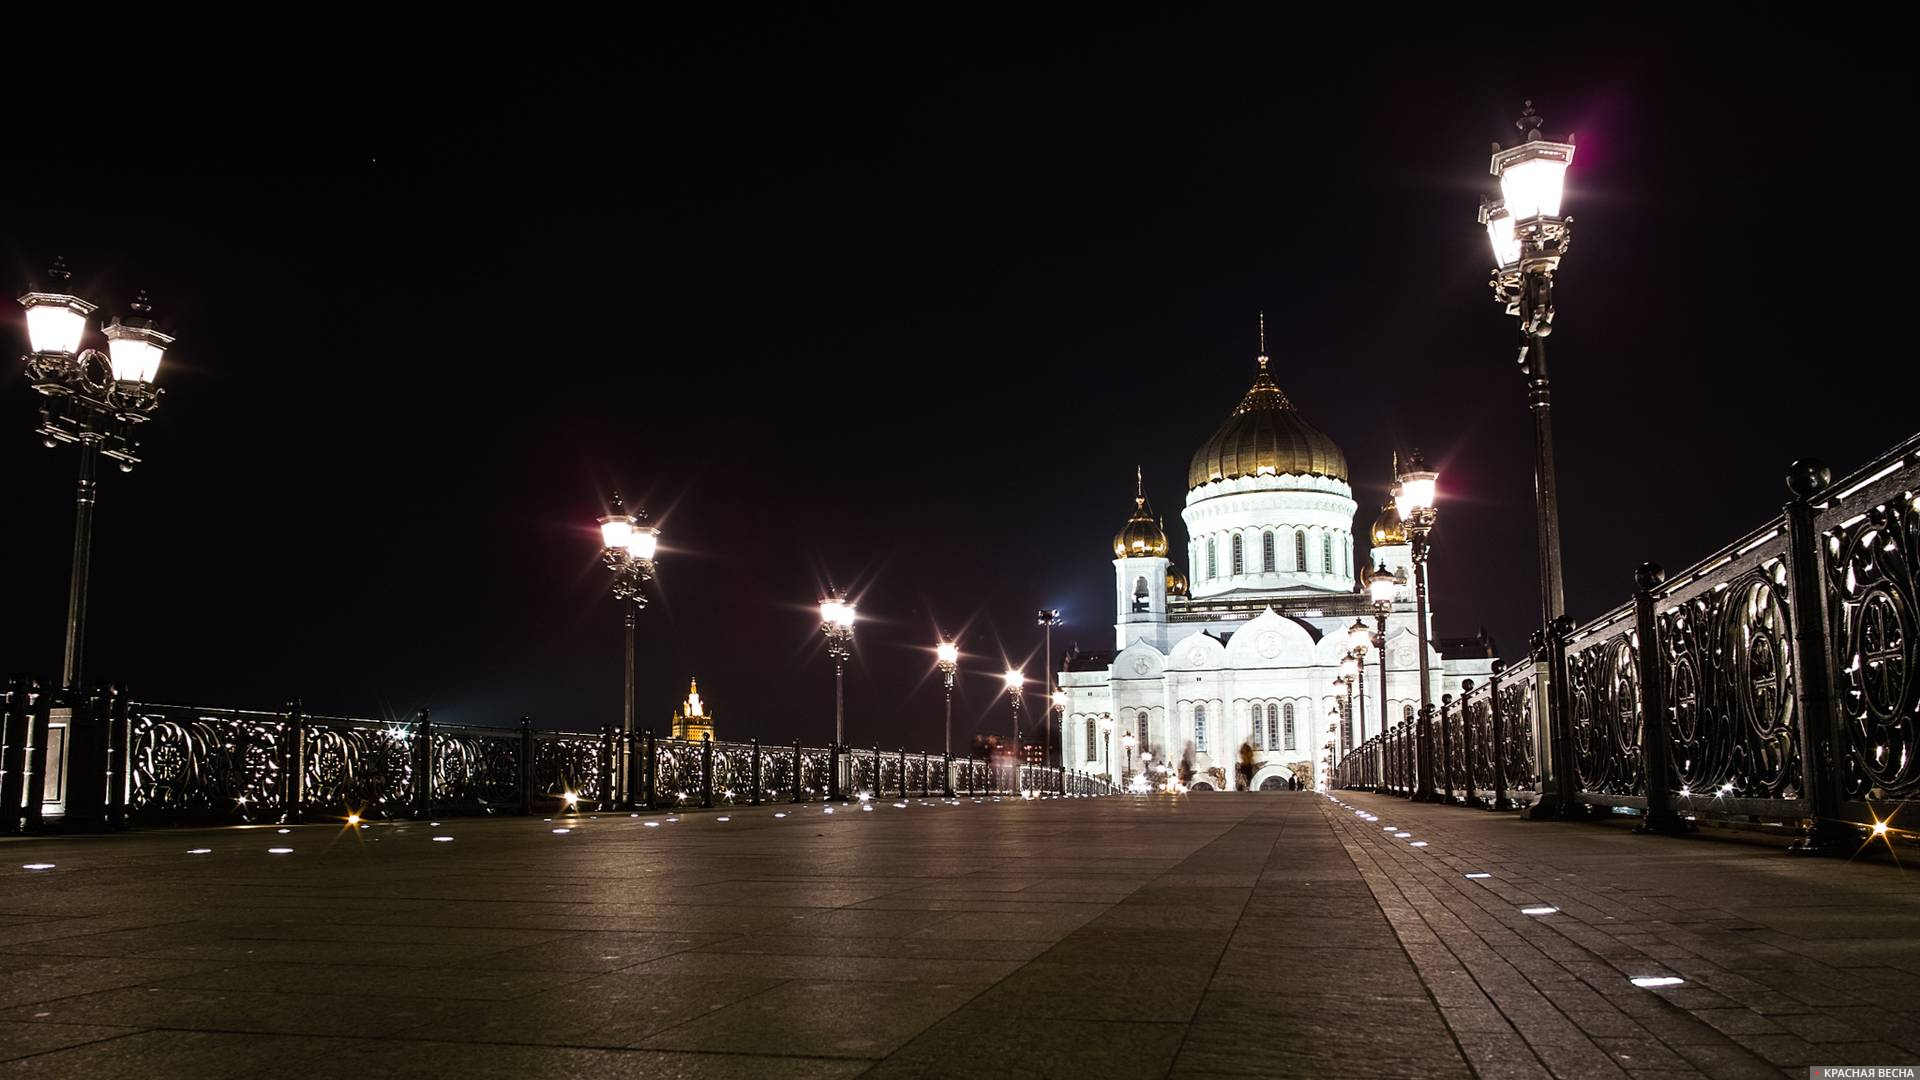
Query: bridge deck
{"points": [[1223, 934]]}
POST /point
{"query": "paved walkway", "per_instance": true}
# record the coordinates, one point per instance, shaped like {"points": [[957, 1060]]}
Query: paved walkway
{"points": [[1225, 934]]}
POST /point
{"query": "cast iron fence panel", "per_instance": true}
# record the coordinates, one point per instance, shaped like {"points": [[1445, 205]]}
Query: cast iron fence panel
{"points": [[1725, 646], [192, 764], [475, 770], [1869, 532], [816, 772], [676, 772], [564, 763], [365, 768], [1519, 694], [776, 773], [1476, 711], [732, 772], [1603, 705], [889, 774]]}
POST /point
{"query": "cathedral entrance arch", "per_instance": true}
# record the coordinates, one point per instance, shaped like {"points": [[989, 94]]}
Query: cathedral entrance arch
{"points": [[1271, 778]]}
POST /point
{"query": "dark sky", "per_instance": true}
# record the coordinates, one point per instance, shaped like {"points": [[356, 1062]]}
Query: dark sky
{"points": [[901, 304]]}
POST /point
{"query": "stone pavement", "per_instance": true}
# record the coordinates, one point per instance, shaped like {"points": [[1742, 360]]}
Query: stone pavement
{"points": [[1224, 934]]}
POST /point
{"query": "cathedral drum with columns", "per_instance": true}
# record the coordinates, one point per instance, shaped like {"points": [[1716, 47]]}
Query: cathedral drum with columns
{"points": [[1226, 674]]}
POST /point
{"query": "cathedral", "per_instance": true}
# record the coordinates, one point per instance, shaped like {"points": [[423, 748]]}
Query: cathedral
{"points": [[1233, 662]]}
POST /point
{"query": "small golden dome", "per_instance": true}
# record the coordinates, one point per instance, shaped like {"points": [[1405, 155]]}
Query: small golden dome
{"points": [[1141, 537], [1388, 529], [1176, 581]]}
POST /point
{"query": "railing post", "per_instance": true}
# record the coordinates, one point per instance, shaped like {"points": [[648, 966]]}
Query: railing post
{"points": [[1500, 800], [878, 788], [1446, 745], [39, 730], [295, 807], [1823, 743], [1655, 747], [1472, 783], [946, 774], [608, 795], [16, 726], [798, 768], [706, 769], [756, 771], [833, 773], [653, 768], [903, 772], [527, 750], [1560, 797], [423, 757]]}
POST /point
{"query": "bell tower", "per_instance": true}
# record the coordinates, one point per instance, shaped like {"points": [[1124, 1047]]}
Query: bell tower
{"points": [[1140, 575]]}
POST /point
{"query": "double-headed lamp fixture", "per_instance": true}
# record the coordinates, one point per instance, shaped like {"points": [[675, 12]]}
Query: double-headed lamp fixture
{"points": [[836, 622], [92, 397], [628, 544]]}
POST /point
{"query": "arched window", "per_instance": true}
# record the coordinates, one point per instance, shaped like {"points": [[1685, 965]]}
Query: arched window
{"points": [[1273, 727], [1142, 600], [1213, 559], [1346, 553], [1200, 728], [1287, 724], [1239, 564], [1326, 552], [1266, 551], [1093, 746], [1143, 731], [1300, 550]]}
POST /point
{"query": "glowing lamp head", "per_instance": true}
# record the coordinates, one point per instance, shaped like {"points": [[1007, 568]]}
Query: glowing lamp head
{"points": [[1060, 698], [1383, 585], [1418, 487], [947, 654], [642, 541], [836, 612], [1015, 679], [1106, 724], [135, 344], [56, 319], [1359, 636], [1129, 740], [1500, 234], [617, 527], [1349, 668]]}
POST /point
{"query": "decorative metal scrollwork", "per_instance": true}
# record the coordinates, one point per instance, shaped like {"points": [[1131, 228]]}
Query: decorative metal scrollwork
{"points": [[186, 766], [1732, 720], [570, 763], [1872, 587], [475, 771], [1516, 715], [1603, 697]]}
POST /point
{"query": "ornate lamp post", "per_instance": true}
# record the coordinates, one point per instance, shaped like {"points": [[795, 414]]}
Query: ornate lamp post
{"points": [[1016, 682], [836, 621], [1127, 743], [1361, 639], [1047, 619], [1106, 744], [1415, 498], [947, 655], [95, 400], [1529, 236], [1056, 709], [1382, 585], [1349, 675], [627, 547]]}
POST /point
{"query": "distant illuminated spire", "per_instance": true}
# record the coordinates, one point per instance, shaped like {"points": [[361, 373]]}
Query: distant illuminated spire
{"points": [[1139, 488], [1263, 341]]}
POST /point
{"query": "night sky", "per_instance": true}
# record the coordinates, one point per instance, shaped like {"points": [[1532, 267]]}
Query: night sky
{"points": [[901, 304]]}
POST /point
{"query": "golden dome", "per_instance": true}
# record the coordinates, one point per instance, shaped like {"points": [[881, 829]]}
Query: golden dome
{"points": [[1176, 581], [1388, 529], [1266, 437], [1141, 537]]}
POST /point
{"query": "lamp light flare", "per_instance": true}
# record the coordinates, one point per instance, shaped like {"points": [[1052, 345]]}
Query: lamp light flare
{"points": [[55, 321], [561, 832], [37, 866], [279, 851], [1500, 234], [1879, 828], [615, 531], [200, 851], [1015, 678], [443, 839]]}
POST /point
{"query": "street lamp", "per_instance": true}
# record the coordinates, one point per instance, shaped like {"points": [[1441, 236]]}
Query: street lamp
{"points": [[1383, 586], [627, 547], [93, 399], [947, 655], [1106, 745], [836, 622], [1418, 489], [1016, 681], [1047, 619], [1360, 639], [1127, 743], [1529, 236]]}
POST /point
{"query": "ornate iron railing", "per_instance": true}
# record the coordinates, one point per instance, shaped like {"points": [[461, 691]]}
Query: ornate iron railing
{"points": [[1778, 678], [178, 763]]}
